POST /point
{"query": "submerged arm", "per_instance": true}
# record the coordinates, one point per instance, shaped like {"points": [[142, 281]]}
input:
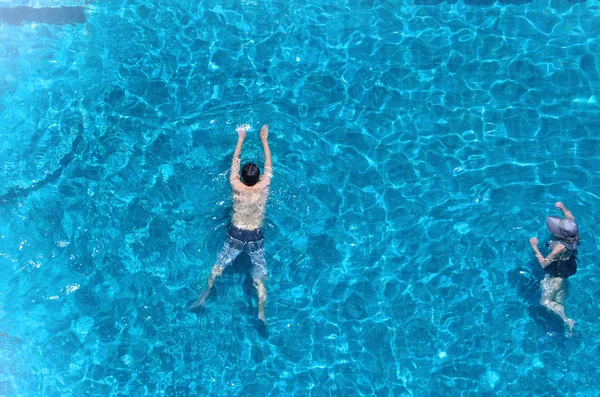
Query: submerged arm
{"points": [[558, 248]]}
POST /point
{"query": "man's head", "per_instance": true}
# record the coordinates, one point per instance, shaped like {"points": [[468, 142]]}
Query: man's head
{"points": [[250, 174]]}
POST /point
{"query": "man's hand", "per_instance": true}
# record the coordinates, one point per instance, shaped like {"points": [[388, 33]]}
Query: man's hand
{"points": [[560, 206], [241, 130], [264, 132], [534, 242]]}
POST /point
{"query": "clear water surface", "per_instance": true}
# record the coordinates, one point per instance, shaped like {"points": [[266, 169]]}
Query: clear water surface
{"points": [[417, 147]]}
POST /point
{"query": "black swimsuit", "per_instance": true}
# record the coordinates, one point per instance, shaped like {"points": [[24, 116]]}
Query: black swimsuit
{"points": [[564, 266], [245, 236]]}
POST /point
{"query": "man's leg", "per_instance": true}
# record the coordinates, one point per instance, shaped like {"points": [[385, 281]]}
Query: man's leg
{"points": [[262, 298], [259, 274], [216, 272], [230, 251]]}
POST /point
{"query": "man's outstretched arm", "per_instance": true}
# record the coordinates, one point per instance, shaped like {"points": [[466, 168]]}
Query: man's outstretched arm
{"points": [[234, 176], [264, 135]]}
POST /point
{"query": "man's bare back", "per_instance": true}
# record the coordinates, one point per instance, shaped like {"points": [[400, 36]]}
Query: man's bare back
{"points": [[249, 206]]}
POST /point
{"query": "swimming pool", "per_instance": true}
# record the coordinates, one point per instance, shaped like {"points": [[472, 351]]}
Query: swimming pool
{"points": [[416, 149]]}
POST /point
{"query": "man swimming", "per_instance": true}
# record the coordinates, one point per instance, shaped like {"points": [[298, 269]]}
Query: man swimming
{"points": [[561, 263], [249, 204]]}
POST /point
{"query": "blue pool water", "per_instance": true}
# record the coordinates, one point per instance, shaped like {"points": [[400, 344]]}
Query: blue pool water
{"points": [[417, 147]]}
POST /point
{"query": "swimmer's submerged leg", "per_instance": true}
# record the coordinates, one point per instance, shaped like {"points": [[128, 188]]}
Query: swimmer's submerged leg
{"points": [[552, 291], [259, 274], [262, 298], [217, 271], [231, 249]]}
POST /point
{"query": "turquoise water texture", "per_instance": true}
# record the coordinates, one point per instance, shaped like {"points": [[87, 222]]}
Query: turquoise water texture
{"points": [[416, 147]]}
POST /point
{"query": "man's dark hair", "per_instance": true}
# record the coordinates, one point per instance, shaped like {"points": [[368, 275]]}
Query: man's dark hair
{"points": [[250, 174]]}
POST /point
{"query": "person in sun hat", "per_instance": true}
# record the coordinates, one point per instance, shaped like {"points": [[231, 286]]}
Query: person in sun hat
{"points": [[561, 262], [250, 194]]}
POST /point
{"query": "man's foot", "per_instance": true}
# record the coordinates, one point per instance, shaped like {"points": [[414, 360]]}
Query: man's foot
{"points": [[261, 317], [198, 305], [570, 324]]}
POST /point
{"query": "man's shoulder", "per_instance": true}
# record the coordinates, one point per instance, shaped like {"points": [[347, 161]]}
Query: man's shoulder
{"points": [[237, 186]]}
